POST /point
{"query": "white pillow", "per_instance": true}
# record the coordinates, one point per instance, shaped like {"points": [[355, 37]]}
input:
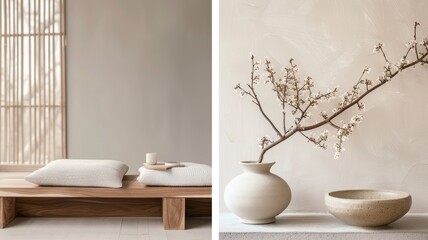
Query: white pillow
{"points": [[192, 174], [80, 173]]}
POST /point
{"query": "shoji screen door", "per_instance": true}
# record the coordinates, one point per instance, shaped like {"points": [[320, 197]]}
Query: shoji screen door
{"points": [[32, 82]]}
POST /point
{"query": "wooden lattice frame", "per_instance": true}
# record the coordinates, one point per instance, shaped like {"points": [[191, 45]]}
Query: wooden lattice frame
{"points": [[32, 82]]}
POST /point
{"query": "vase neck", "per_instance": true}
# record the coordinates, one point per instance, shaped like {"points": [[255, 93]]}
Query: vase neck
{"points": [[255, 167]]}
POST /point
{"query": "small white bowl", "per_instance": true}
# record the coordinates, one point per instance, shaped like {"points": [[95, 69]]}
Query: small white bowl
{"points": [[368, 208], [172, 164]]}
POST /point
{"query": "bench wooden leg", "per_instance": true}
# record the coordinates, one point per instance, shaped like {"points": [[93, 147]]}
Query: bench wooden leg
{"points": [[7, 211], [173, 213]]}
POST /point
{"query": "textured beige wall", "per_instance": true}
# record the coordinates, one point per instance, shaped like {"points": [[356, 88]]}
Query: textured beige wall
{"points": [[332, 41], [139, 80]]}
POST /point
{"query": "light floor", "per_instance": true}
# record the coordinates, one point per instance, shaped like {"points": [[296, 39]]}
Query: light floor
{"points": [[45, 228]]}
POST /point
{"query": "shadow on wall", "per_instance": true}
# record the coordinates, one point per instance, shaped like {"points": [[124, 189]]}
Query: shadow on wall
{"points": [[415, 182]]}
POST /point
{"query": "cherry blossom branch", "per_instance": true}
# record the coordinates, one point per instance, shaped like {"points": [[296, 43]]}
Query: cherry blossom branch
{"points": [[334, 125], [415, 39], [361, 97], [301, 97], [263, 112], [280, 92], [256, 99]]}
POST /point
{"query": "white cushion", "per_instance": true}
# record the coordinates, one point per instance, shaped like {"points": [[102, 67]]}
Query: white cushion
{"points": [[80, 173], [192, 174]]}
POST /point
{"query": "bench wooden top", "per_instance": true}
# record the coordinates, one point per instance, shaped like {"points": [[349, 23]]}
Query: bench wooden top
{"points": [[18, 187]]}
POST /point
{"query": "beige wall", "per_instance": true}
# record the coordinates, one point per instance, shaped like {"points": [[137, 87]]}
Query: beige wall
{"points": [[332, 41], [139, 80]]}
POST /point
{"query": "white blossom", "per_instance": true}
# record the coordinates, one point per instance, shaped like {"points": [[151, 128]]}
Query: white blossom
{"points": [[338, 150], [251, 55], [387, 64], [377, 47], [307, 115], [411, 44], [324, 114], [266, 60], [264, 141], [357, 119], [336, 155], [404, 61], [367, 69], [361, 106]]}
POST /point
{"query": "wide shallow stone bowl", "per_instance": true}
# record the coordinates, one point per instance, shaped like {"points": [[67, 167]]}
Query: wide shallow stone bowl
{"points": [[368, 208]]}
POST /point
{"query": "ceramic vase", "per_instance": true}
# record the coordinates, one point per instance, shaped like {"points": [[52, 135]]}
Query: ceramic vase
{"points": [[257, 196]]}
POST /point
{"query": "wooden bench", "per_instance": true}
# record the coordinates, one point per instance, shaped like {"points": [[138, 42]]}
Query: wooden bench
{"points": [[173, 198]]}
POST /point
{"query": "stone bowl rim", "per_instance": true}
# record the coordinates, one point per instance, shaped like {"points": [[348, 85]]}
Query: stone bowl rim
{"points": [[393, 195]]}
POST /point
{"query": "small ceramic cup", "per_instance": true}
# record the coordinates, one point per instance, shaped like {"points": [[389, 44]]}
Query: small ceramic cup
{"points": [[151, 158]]}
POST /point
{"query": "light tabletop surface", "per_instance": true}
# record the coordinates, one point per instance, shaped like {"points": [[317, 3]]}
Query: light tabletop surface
{"points": [[321, 226]]}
